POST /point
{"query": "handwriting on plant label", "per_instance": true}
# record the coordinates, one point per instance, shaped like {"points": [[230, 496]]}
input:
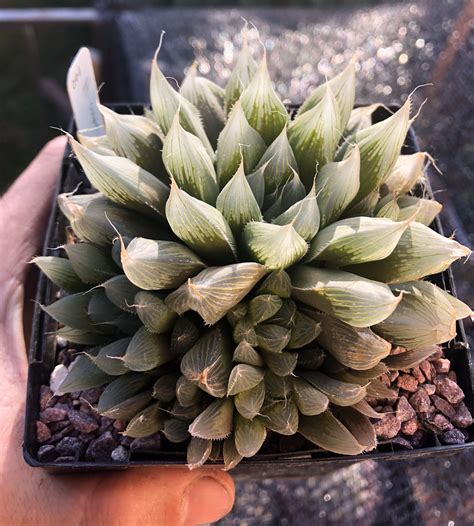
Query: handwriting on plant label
{"points": [[82, 90]]}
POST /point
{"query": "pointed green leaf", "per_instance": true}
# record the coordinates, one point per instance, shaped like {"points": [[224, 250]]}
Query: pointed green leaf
{"points": [[243, 377], [209, 362], [235, 314], [380, 146], [378, 390], [215, 422], [278, 283], [285, 316], [164, 389], [293, 191], [216, 451], [424, 317], [311, 358], [237, 203], [272, 338], [362, 377], [153, 312], [125, 396], [242, 73], [187, 392], [256, 182], [81, 336], [190, 412], [343, 87], [281, 417], [148, 421], [355, 348], [189, 164], [99, 144], [277, 247], [83, 374], [356, 240], [245, 353], [230, 453], [215, 290], [338, 392], [147, 351], [98, 220], [365, 207], [277, 387], [198, 452], [71, 204], [60, 272], [176, 430], [407, 360], [237, 140], [461, 309], [357, 301], [72, 311], [249, 435], [365, 409], [314, 135], [327, 432], [136, 138], [263, 307], [310, 401], [92, 264], [121, 292], [185, 334], [360, 118], [424, 210], [245, 331], [407, 171], [388, 208], [359, 426], [208, 98], [420, 252], [127, 323], [123, 181], [106, 359], [264, 110], [249, 403], [277, 162], [156, 265], [303, 216], [304, 332], [281, 364], [165, 102], [272, 205], [337, 183], [201, 226]]}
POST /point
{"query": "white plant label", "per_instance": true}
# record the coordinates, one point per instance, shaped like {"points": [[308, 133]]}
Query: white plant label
{"points": [[83, 94]]}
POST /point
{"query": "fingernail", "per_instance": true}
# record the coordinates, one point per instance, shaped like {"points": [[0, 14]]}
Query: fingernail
{"points": [[207, 501]]}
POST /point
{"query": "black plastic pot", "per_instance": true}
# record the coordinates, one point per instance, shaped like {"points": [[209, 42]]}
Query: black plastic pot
{"points": [[42, 357]]}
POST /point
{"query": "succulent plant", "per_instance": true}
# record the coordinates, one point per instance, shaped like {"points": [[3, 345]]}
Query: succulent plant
{"points": [[241, 269]]}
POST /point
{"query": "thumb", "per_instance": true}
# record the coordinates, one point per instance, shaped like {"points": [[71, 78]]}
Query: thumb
{"points": [[25, 208], [161, 496]]}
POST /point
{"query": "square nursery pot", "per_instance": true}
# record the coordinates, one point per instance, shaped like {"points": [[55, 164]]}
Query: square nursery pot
{"points": [[299, 463]]}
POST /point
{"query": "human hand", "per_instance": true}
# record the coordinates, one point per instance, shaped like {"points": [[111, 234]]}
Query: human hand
{"points": [[146, 496]]}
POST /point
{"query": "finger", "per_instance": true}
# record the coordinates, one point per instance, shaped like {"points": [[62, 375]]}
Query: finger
{"points": [[161, 497], [25, 209], [13, 356]]}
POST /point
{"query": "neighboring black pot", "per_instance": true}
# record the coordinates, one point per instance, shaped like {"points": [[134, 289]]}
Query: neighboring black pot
{"points": [[42, 359]]}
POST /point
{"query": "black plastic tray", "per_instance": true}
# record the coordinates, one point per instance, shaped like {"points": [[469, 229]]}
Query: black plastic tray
{"points": [[42, 357]]}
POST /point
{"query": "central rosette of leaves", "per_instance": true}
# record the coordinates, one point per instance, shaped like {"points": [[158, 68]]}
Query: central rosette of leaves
{"points": [[251, 272]]}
